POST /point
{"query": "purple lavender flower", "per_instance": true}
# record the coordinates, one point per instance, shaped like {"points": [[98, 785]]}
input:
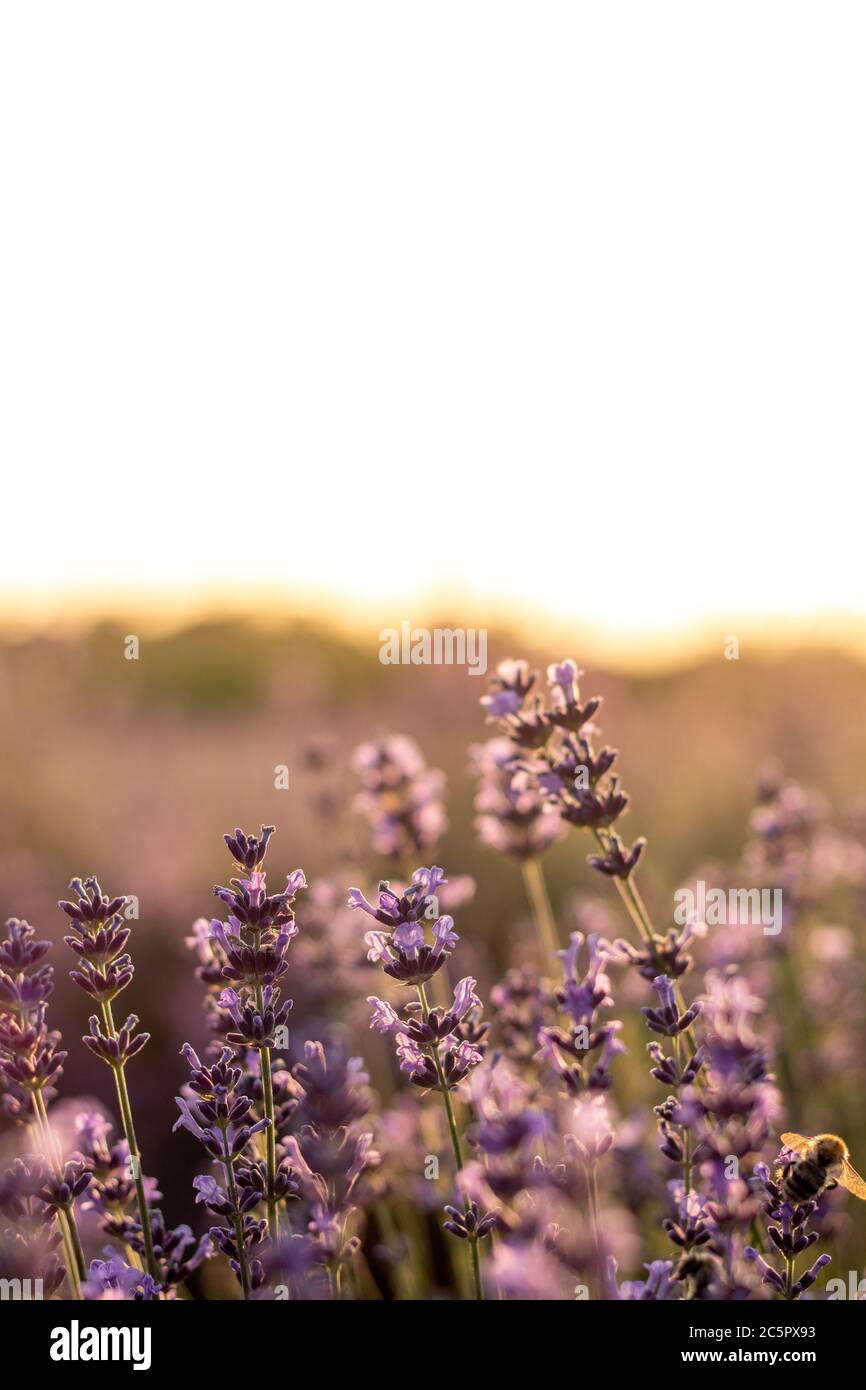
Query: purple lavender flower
{"points": [[554, 759], [250, 952], [31, 1228], [508, 1132], [214, 1112], [330, 1150], [787, 1229], [664, 956], [562, 765], [438, 1047], [512, 815], [30, 1065], [522, 1005], [678, 1118], [581, 1054], [656, 1288], [402, 948], [400, 797], [114, 1278], [111, 1195], [669, 1018], [98, 939], [736, 1109]]}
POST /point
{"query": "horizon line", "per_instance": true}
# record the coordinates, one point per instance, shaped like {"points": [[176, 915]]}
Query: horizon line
{"points": [[657, 647]]}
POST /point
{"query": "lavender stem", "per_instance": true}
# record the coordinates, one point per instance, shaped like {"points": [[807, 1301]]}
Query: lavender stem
{"points": [[237, 1218], [271, 1136], [68, 1225], [134, 1152], [542, 913], [455, 1144], [631, 898]]}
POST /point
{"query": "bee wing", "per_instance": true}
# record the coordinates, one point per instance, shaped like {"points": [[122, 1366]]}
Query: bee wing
{"points": [[850, 1178], [798, 1142]]}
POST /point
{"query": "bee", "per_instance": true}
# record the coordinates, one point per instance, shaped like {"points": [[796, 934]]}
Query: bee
{"points": [[699, 1267], [822, 1162]]}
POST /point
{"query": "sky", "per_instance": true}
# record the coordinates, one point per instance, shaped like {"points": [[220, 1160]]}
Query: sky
{"points": [[547, 311]]}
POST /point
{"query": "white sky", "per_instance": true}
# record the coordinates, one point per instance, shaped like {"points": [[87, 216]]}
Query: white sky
{"points": [[554, 306]]}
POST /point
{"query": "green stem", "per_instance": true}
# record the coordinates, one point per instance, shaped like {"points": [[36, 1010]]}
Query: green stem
{"points": [[542, 913], [455, 1145], [636, 908], [686, 1133], [592, 1190], [66, 1216], [228, 1164], [271, 1135], [134, 1151], [632, 899]]}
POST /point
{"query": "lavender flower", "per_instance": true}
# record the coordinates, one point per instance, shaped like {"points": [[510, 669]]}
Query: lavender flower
{"points": [[581, 1054], [665, 956], [561, 763], [678, 1125], [111, 1193], [250, 952], [400, 797], [512, 816], [30, 1065], [114, 1278], [735, 1109], [437, 1048], [98, 939], [330, 1150], [508, 1132], [522, 1006], [220, 1118], [656, 1288], [402, 949], [31, 1228], [576, 781], [787, 1229]]}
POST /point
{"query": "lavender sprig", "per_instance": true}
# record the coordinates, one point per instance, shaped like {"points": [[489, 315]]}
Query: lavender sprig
{"points": [[330, 1150], [787, 1229], [738, 1107], [104, 971], [30, 1064], [437, 1047], [30, 1232], [252, 949], [560, 763], [514, 816], [400, 797], [580, 1055], [677, 1118], [215, 1113]]}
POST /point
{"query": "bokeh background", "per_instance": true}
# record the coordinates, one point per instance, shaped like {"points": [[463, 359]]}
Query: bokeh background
{"points": [[542, 321], [134, 769]]}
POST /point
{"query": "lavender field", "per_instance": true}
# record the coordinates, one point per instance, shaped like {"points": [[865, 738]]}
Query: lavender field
{"points": [[507, 988]]}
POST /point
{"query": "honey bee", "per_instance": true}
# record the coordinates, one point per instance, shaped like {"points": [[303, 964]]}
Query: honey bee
{"points": [[822, 1162]]}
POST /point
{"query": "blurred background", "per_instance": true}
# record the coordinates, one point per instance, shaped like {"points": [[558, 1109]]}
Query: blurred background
{"points": [[344, 315], [134, 769]]}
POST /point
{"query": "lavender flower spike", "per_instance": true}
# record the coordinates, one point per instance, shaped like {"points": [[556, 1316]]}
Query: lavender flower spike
{"points": [[437, 1048], [98, 941], [252, 952], [31, 1064]]}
